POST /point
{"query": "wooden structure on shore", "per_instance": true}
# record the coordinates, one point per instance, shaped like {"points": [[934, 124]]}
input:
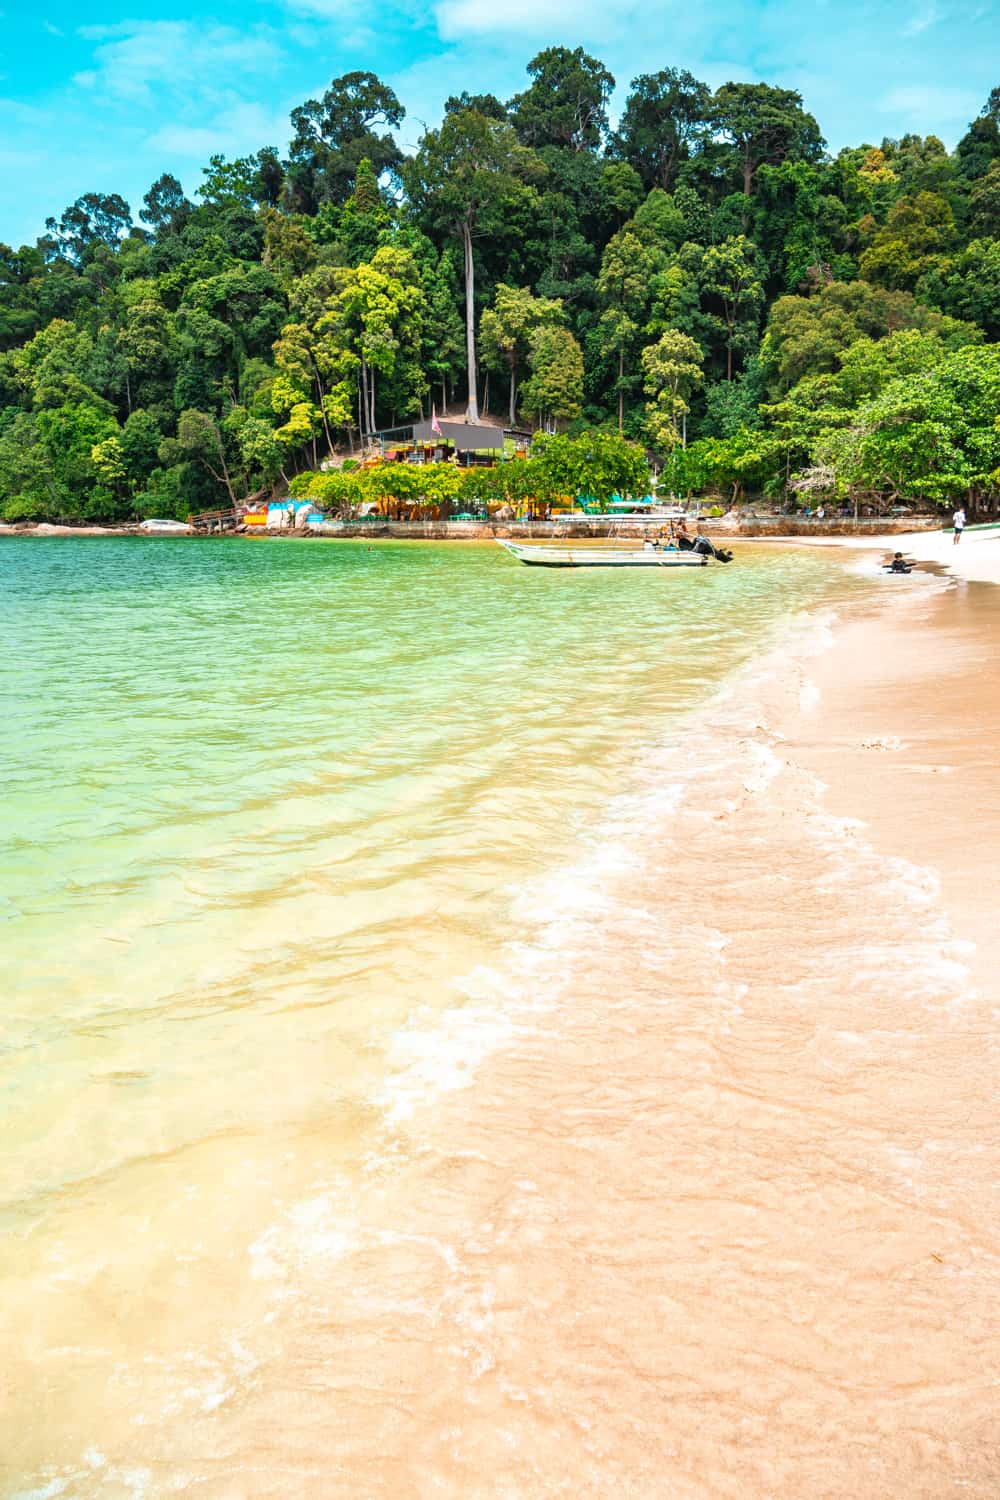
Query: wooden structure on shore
{"points": [[218, 521], [440, 440]]}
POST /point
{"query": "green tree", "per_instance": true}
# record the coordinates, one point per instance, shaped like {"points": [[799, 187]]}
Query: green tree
{"points": [[165, 208], [199, 441], [671, 370], [980, 146], [553, 392], [967, 285], [623, 289], [507, 329], [377, 315], [289, 247], [595, 464], [930, 436], [334, 134], [248, 183], [566, 103], [94, 220], [811, 335], [764, 125], [140, 440], [917, 230], [731, 281], [666, 117], [363, 220], [984, 202]]}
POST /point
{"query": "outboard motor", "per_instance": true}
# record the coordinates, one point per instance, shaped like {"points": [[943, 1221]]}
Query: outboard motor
{"points": [[704, 546]]}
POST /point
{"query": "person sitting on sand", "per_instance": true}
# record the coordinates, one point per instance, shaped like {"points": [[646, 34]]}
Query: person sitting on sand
{"points": [[899, 564]]}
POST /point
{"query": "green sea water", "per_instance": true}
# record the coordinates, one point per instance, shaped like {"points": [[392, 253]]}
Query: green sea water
{"points": [[263, 804]]}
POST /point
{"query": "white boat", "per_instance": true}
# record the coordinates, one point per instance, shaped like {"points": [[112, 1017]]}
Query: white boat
{"points": [[603, 557], [167, 528]]}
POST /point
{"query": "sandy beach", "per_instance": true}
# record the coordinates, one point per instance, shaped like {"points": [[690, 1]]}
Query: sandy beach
{"points": [[976, 558], [719, 1218], [696, 1194]]}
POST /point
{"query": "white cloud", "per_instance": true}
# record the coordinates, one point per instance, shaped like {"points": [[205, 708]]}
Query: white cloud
{"points": [[912, 102], [327, 10], [234, 131], [920, 22], [578, 18], [200, 141], [134, 60]]}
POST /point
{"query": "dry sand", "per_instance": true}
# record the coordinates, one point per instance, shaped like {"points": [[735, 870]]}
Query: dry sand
{"points": [[975, 558], [721, 1218]]}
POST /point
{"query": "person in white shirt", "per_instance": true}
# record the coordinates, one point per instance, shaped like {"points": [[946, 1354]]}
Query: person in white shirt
{"points": [[958, 522]]}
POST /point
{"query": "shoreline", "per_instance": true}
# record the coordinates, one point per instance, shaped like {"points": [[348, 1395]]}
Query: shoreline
{"points": [[904, 739], [749, 528], [717, 1214], [975, 559]]}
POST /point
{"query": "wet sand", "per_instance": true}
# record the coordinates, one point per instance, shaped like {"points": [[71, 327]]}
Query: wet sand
{"points": [[698, 1196], [720, 1215], [907, 742]]}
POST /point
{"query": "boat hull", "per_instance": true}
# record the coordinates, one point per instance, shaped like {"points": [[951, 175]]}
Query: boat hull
{"points": [[598, 557]]}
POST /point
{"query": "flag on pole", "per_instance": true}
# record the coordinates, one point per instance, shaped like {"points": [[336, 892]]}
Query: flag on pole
{"points": [[435, 424]]}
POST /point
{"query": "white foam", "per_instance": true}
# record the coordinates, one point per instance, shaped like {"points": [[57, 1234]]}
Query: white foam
{"points": [[312, 1229]]}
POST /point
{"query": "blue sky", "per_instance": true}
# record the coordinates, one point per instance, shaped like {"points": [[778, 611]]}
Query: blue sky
{"points": [[92, 99]]}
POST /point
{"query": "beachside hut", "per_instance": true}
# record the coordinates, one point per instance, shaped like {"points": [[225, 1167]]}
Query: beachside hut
{"points": [[469, 444], [289, 515]]}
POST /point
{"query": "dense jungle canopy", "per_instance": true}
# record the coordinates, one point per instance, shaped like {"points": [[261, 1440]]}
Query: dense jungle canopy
{"points": [[705, 278]]}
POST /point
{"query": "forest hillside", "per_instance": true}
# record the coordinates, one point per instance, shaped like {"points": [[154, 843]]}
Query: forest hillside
{"points": [[704, 278]]}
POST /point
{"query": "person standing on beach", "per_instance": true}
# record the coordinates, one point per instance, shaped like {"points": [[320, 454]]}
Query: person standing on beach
{"points": [[958, 522]]}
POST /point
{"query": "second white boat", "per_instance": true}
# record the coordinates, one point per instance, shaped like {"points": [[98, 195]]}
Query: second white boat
{"points": [[603, 557]]}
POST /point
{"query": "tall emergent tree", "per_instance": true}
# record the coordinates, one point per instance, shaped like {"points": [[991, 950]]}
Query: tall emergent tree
{"points": [[566, 103], [333, 135], [666, 115], [765, 125], [467, 178]]}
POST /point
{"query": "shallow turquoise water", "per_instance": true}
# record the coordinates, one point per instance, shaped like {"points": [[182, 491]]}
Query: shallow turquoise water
{"points": [[263, 803]]}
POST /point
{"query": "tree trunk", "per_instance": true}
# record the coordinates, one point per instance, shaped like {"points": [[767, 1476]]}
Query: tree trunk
{"points": [[472, 410], [747, 175], [621, 389], [321, 391], [322, 412], [729, 361], [222, 478], [513, 393]]}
